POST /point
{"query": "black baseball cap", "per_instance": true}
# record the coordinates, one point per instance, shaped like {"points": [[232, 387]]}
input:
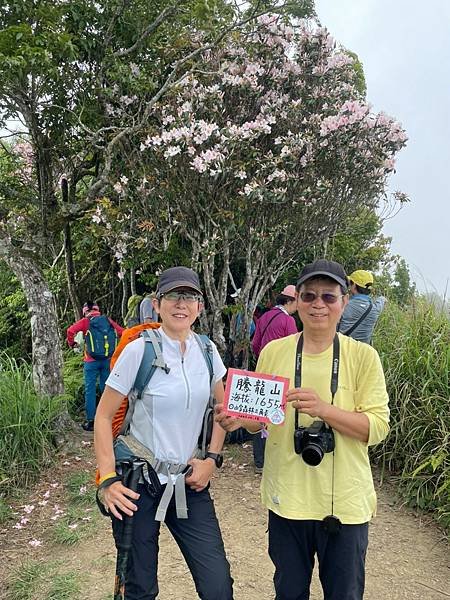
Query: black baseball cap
{"points": [[176, 277], [324, 268]]}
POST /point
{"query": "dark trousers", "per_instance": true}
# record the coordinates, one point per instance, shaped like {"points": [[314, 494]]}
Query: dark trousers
{"points": [[259, 446], [198, 538], [292, 547]]}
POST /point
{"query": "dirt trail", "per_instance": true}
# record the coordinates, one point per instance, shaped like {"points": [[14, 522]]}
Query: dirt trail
{"points": [[408, 556]]}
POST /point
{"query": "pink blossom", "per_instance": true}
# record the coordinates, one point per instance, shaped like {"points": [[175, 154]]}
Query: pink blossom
{"points": [[28, 508], [35, 543]]}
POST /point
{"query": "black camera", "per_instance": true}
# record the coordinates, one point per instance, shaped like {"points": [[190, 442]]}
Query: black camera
{"points": [[313, 442]]}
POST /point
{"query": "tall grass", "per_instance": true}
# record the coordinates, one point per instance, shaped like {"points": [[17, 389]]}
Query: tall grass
{"points": [[414, 345], [26, 425]]}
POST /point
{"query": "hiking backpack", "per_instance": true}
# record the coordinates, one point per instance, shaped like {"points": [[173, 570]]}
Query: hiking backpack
{"points": [[101, 338], [153, 359]]}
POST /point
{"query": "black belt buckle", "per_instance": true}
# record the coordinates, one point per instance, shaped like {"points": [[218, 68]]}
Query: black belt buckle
{"points": [[331, 525]]}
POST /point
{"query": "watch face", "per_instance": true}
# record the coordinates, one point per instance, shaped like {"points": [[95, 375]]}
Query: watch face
{"points": [[217, 458]]}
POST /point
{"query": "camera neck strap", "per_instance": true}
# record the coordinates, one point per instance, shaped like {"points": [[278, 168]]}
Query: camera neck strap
{"points": [[331, 523], [334, 369]]}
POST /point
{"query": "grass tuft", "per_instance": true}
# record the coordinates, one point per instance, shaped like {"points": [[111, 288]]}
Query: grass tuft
{"points": [[33, 579]]}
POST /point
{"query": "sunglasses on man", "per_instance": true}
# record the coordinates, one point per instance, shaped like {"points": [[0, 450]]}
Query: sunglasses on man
{"points": [[327, 297]]}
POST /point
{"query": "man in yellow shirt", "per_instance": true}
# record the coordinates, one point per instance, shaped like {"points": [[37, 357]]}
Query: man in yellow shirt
{"points": [[317, 482]]}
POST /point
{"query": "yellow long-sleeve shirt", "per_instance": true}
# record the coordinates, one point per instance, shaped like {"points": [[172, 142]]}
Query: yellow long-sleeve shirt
{"points": [[290, 487]]}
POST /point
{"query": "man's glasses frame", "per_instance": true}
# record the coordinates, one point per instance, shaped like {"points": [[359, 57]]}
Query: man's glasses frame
{"points": [[327, 297], [188, 297]]}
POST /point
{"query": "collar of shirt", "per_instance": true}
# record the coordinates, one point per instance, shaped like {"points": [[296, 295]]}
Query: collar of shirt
{"points": [[362, 297], [282, 308], [176, 344]]}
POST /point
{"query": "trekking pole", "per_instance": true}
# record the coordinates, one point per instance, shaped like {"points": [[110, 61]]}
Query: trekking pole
{"points": [[124, 545]]}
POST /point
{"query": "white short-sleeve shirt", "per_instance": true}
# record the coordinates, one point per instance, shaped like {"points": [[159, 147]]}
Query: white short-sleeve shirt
{"points": [[168, 418]]}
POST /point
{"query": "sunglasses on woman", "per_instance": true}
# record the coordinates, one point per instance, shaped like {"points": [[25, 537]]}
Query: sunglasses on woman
{"points": [[327, 297], [189, 297]]}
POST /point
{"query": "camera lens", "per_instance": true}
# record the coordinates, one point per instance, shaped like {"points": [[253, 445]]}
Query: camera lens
{"points": [[312, 454]]}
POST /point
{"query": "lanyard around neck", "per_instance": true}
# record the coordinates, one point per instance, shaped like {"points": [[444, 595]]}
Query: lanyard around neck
{"points": [[334, 369]]}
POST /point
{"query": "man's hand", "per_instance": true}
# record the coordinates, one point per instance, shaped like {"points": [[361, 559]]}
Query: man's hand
{"points": [[116, 497], [202, 471], [307, 400]]}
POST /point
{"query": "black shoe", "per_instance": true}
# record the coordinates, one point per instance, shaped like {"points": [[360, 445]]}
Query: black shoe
{"points": [[88, 425]]}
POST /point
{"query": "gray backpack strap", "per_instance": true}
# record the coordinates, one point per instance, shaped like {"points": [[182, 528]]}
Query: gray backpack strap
{"points": [[151, 360]]}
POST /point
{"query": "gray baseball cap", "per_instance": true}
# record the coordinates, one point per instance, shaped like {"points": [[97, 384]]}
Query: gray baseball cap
{"points": [[176, 277], [324, 268]]}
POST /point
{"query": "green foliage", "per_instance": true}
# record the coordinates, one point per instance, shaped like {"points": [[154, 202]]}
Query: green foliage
{"points": [[15, 335], [360, 82], [6, 512], [73, 382], [359, 243], [26, 425], [403, 289], [414, 345]]}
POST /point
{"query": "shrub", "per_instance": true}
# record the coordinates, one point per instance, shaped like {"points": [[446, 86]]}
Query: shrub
{"points": [[414, 345], [26, 425]]}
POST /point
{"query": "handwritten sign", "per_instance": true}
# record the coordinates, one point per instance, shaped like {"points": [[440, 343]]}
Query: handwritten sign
{"points": [[255, 396]]}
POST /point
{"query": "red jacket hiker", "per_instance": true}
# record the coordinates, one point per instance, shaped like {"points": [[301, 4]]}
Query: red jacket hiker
{"points": [[93, 369]]}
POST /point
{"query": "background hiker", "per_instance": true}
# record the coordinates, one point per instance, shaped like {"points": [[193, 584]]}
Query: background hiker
{"points": [[273, 324], [317, 483], [147, 312], [140, 310], [166, 425], [361, 313], [99, 346]]}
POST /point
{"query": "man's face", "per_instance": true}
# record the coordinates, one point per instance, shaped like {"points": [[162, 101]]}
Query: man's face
{"points": [[316, 313]]}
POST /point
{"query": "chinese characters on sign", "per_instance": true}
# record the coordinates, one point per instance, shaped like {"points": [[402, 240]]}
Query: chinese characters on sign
{"points": [[255, 396]]}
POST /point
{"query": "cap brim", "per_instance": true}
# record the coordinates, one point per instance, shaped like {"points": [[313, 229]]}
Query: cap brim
{"points": [[335, 278]]}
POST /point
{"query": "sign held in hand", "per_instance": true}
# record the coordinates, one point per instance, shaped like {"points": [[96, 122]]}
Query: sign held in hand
{"points": [[255, 396]]}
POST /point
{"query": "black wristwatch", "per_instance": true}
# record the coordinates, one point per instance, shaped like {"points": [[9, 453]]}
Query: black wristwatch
{"points": [[217, 458]]}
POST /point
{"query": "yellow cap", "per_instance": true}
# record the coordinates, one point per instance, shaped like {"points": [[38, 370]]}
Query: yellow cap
{"points": [[362, 278]]}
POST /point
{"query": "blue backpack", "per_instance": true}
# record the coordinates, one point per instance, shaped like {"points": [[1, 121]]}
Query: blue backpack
{"points": [[101, 338]]}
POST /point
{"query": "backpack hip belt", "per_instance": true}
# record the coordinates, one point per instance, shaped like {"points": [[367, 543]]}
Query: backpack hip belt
{"points": [[134, 448]]}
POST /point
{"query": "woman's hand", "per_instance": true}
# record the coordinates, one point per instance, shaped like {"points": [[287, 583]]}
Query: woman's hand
{"points": [[227, 422], [202, 471], [116, 497]]}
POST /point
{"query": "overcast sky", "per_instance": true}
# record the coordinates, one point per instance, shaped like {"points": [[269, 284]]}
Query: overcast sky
{"points": [[404, 46]]}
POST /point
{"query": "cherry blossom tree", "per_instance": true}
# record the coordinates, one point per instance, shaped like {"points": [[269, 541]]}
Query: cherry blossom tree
{"points": [[263, 152]]}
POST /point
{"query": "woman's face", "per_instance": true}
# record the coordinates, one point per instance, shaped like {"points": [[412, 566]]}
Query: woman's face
{"points": [[178, 310]]}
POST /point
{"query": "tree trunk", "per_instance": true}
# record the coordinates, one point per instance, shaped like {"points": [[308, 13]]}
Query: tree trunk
{"points": [[46, 345], [133, 281], [123, 305], [68, 256]]}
